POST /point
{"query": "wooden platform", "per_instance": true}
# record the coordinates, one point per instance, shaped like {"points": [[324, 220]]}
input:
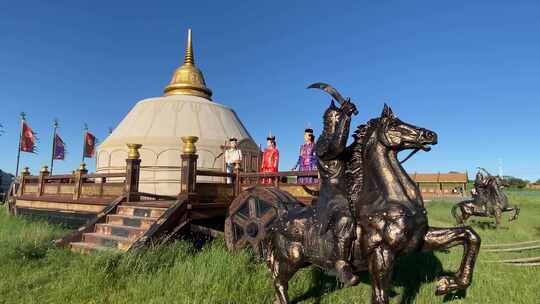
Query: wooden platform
{"points": [[110, 214]]}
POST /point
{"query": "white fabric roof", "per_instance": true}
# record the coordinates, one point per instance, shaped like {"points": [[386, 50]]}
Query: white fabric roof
{"points": [[158, 124]]}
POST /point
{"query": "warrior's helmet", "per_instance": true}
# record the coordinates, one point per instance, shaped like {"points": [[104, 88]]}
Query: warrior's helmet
{"points": [[479, 178], [331, 117]]}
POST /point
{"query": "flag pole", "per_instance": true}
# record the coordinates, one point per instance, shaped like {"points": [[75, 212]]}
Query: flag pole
{"points": [[23, 118], [55, 126], [84, 141]]}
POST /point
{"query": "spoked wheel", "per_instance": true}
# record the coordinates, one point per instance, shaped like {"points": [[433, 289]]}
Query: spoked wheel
{"points": [[250, 215]]}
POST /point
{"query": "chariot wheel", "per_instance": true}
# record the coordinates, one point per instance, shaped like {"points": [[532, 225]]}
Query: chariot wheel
{"points": [[250, 214]]}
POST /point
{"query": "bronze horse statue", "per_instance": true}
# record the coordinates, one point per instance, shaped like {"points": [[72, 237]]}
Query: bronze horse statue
{"points": [[488, 201], [389, 215]]}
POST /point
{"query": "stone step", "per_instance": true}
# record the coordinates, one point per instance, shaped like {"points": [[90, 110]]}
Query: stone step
{"points": [[151, 212], [131, 221], [154, 204], [131, 233], [110, 241], [87, 248]]}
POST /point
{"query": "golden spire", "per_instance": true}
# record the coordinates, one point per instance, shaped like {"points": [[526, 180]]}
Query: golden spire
{"points": [[188, 58], [188, 79]]}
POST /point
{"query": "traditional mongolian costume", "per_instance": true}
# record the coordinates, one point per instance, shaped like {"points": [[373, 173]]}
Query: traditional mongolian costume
{"points": [[307, 161], [233, 156], [270, 159]]}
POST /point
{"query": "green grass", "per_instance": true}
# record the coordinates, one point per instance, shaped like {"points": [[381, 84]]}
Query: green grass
{"points": [[32, 271]]}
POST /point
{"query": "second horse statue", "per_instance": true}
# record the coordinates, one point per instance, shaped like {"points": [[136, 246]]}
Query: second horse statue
{"points": [[369, 211], [488, 200]]}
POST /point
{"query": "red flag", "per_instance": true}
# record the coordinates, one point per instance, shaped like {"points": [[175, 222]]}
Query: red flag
{"points": [[28, 139], [89, 144]]}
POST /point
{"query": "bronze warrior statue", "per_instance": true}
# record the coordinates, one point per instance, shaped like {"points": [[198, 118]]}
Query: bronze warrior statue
{"points": [[369, 211], [488, 200], [333, 206]]}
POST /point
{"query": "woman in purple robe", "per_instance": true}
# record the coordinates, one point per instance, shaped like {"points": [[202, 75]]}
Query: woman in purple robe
{"points": [[307, 161]]}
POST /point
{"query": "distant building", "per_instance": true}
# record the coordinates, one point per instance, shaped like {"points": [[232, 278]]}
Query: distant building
{"points": [[438, 185], [534, 186]]}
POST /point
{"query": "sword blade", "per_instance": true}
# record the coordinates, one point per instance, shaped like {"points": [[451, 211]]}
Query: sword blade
{"points": [[332, 91]]}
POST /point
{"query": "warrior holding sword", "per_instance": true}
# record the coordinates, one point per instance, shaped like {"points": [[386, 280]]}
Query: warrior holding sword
{"points": [[333, 206]]}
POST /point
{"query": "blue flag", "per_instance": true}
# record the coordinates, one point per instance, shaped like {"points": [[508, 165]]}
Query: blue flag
{"points": [[59, 148]]}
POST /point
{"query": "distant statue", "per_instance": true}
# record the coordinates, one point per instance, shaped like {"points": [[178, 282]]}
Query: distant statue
{"points": [[369, 211], [233, 156], [270, 159], [307, 161], [488, 200]]}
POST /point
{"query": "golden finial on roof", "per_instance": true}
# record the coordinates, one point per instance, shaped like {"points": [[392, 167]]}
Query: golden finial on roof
{"points": [[188, 79], [188, 57]]}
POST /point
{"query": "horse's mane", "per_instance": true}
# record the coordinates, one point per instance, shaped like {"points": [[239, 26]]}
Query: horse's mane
{"points": [[354, 167]]}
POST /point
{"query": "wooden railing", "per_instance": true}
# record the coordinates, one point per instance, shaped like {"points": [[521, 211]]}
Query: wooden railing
{"points": [[81, 185], [213, 173], [249, 177], [78, 185], [304, 192], [226, 192], [276, 178]]}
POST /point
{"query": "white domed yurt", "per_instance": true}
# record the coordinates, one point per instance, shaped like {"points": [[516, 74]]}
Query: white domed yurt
{"points": [[158, 124]]}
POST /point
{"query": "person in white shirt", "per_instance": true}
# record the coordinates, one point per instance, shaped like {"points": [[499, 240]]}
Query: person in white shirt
{"points": [[233, 155]]}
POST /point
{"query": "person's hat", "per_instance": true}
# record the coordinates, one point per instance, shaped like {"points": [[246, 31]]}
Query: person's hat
{"points": [[270, 136], [233, 139], [308, 130]]}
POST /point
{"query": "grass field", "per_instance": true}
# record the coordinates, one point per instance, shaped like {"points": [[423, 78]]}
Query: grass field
{"points": [[31, 271]]}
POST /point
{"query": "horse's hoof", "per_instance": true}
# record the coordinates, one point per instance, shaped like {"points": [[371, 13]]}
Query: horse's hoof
{"points": [[352, 282], [446, 285]]}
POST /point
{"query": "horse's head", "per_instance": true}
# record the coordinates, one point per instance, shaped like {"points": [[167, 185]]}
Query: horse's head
{"points": [[398, 135], [390, 133]]}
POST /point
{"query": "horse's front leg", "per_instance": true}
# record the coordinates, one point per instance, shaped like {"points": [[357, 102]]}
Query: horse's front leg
{"points": [[381, 264], [282, 269], [516, 212], [444, 238], [497, 217]]}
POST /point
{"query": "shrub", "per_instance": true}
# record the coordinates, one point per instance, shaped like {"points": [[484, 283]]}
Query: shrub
{"points": [[515, 182]]}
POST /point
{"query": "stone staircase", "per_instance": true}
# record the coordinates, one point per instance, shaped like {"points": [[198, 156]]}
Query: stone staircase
{"points": [[120, 230]]}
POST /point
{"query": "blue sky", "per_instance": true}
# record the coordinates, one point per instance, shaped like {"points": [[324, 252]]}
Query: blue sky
{"points": [[469, 71]]}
